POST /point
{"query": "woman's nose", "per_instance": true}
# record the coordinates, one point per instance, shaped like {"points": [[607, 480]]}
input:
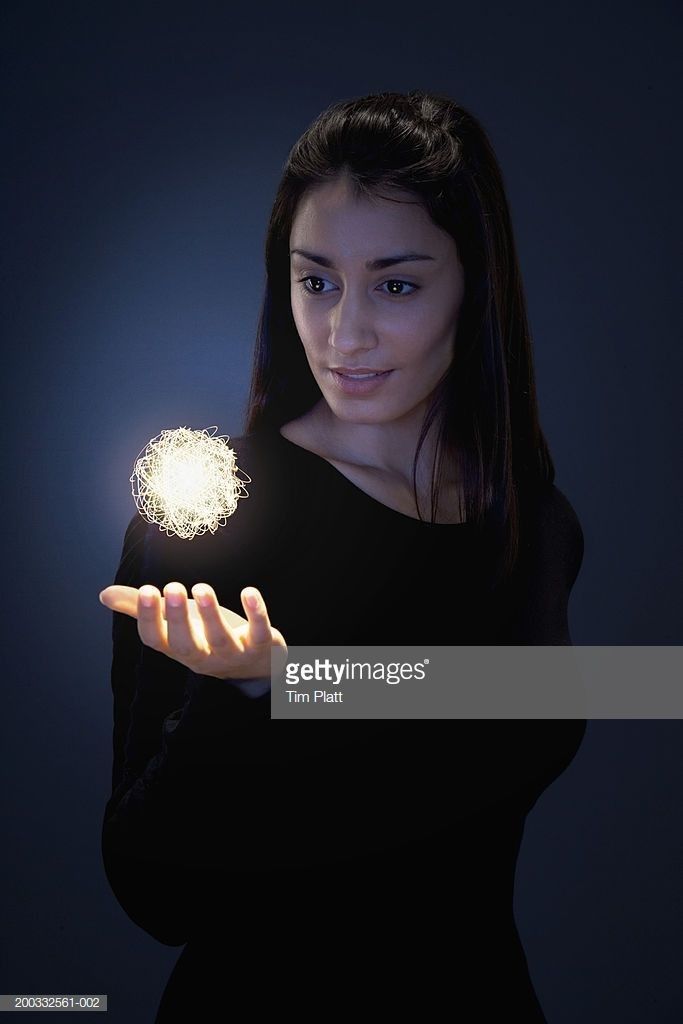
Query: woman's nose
{"points": [[351, 326]]}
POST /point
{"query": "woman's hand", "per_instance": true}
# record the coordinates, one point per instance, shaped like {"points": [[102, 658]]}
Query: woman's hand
{"points": [[199, 633]]}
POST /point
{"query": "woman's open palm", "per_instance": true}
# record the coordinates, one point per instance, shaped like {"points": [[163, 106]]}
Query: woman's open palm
{"points": [[200, 634]]}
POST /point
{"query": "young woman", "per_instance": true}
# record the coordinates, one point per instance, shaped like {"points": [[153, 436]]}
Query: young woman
{"points": [[402, 492]]}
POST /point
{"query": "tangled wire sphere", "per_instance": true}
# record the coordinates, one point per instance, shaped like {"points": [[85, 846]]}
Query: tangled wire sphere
{"points": [[187, 481]]}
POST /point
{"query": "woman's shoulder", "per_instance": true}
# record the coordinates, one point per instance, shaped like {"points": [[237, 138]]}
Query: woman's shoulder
{"points": [[265, 456], [552, 530], [257, 444], [551, 504]]}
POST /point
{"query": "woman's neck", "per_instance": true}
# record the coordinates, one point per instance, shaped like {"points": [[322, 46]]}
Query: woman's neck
{"points": [[388, 448]]}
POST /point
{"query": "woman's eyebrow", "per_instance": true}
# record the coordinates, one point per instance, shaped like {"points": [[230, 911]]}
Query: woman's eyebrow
{"points": [[379, 264]]}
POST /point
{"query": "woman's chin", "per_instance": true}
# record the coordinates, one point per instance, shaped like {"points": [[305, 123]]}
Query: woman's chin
{"points": [[366, 414], [370, 412]]}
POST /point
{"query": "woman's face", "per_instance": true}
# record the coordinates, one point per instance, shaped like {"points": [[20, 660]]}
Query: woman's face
{"points": [[363, 307]]}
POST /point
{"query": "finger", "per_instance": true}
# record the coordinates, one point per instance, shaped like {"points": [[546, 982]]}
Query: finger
{"points": [[151, 625], [259, 623], [120, 599], [182, 639], [218, 634]]}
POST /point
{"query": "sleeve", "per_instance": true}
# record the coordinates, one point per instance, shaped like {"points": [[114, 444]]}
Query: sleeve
{"points": [[165, 823], [252, 687], [551, 555], [526, 755]]}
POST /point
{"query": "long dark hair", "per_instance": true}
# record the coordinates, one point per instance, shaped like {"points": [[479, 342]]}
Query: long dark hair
{"points": [[485, 411]]}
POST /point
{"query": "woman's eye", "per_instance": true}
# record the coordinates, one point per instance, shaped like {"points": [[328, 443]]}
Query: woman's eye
{"points": [[311, 291], [402, 285], [392, 283]]}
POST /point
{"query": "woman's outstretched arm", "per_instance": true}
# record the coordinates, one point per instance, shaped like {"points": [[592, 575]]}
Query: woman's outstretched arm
{"points": [[171, 807]]}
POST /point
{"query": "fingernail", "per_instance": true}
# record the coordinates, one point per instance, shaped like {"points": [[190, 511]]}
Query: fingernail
{"points": [[146, 600], [175, 600], [253, 602]]}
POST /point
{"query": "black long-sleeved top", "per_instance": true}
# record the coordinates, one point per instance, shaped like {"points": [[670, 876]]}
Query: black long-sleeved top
{"points": [[232, 833]]}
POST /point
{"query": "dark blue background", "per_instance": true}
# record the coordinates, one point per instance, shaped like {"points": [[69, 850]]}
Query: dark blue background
{"points": [[145, 143]]}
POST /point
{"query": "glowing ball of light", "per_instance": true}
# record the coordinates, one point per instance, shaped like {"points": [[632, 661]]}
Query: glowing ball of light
{"points": [[187, 482]]}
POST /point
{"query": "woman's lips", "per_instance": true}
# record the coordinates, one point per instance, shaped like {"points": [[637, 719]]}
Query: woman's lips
{"points": [[359, 382]]}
